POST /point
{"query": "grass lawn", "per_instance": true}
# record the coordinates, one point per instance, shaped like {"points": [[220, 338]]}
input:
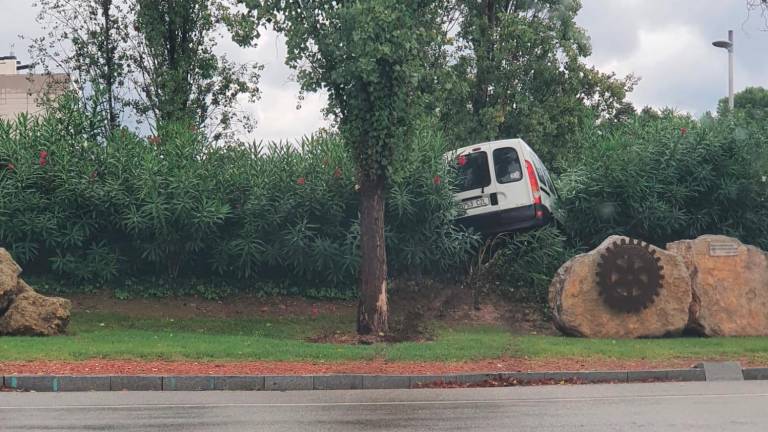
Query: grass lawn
{"points": [[99, 335]]}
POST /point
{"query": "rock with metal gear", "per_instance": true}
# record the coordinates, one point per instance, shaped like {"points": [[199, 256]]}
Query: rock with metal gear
{"points": [[629, 276]]}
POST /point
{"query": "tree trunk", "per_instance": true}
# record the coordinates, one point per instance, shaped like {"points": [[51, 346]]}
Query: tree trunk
{"points": [[372, 307], [108, 55]]}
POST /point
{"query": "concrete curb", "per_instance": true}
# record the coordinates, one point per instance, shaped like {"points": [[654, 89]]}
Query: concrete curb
{"points": [[47, 383]]}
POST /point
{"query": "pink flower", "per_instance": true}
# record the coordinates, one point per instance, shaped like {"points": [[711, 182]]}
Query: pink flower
{"points": [[462, 160], [683, 131], [301, 181], [437, 180], [43, 160], [337, 173]]}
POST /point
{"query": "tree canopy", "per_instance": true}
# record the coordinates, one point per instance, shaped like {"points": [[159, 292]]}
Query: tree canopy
{"points": [[517, 71], [752, 102]]}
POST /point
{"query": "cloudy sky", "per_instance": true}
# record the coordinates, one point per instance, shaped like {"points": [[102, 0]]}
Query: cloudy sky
{"points": [[667, 43]]}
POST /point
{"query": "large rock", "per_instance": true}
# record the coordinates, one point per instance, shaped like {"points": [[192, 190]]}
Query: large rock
{"points": [[579, 310], [9, 279], [32, 314], [22, 310], [730, 285]]}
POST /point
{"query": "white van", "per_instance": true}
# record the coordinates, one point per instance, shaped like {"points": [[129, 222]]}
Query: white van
{"points": [[503, 186]]}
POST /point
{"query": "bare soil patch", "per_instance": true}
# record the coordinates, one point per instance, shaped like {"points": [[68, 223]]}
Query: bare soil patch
{"points": [[241, 306]]}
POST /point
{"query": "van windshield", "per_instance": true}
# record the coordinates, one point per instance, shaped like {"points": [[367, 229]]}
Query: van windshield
{"points": [[472, 171]]}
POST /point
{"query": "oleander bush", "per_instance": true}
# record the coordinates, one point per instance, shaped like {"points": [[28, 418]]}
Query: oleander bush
{"points": [[523, 264], [665, 177], [174, 207]]}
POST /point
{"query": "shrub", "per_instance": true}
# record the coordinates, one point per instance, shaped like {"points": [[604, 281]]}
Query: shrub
{"points": [[667, 177], [174, 207], [523, 264]]}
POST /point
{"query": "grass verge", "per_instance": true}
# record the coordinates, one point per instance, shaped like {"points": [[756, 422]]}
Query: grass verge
{"points": [[99, 335]]}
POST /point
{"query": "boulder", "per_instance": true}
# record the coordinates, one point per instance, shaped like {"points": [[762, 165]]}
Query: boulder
{"points": [[730, 285], [22, 310], [579, 309], [9, 279], [32, 314]]}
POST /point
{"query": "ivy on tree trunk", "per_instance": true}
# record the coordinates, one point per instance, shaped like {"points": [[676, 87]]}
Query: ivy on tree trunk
{"points": [[372, 308]]}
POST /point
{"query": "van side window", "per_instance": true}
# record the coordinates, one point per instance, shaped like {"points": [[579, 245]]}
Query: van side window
{"points": [[542, 173], [506, 164]]}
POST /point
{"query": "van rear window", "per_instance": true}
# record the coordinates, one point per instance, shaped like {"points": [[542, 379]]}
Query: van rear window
{"points": [[472, 171], [506, 163]]}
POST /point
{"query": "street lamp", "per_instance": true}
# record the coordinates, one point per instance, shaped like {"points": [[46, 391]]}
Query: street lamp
{"points": [[729, 46]]}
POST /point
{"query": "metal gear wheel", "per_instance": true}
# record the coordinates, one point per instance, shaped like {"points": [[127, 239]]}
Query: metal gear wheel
{"points": [[629, 276]]}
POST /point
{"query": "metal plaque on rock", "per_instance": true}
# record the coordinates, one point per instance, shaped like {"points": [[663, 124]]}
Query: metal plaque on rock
{"points": [[722, 249]]}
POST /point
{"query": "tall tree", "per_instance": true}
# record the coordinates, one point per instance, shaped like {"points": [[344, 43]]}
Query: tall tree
{"points": [[518, 72], [368, 56], [155, 57], [88, 39], [181, 79]]}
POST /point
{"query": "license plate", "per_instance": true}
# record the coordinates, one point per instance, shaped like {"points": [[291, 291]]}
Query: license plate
{"points": [[474, 203]]}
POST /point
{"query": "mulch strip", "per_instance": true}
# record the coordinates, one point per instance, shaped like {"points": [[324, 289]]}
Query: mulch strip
{"points": [[379, 367]]}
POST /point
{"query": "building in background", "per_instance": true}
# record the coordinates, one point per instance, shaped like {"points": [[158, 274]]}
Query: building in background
{"points": [[22, 92]]}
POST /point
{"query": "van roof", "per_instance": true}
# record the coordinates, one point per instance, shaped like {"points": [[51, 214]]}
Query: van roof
{"points": [[492, 143]]}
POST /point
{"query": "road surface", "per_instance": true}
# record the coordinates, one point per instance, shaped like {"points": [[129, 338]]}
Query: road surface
{"points": [[700, 407]]}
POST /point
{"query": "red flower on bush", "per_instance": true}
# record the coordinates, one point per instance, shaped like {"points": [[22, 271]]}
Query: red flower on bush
{"points": [[437, 180], [43, 160], [301, 181], [462, 160], [337, 173], [154, 139], [683, 131]]}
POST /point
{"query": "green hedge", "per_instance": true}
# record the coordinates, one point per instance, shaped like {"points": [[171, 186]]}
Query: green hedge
{"points": [[667, 177], [175, 207]]}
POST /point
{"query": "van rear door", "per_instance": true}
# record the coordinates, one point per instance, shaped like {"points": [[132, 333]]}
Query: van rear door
{"points": [[512, 189], [474, 184]]}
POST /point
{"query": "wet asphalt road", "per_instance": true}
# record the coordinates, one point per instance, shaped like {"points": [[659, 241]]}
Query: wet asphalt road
{"points": [[701, 407]]}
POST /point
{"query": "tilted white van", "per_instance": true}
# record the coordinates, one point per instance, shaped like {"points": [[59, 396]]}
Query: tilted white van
{"points": [[503, 186]]}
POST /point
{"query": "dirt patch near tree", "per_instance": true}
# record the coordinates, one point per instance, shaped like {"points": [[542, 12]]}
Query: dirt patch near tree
{"points": [[416, 303], [241, 306]]}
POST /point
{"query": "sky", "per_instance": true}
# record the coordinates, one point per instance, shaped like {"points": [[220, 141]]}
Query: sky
{"points": [[666, 43]]}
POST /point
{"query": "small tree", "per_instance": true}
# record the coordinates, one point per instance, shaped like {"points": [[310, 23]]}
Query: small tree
{"points": [[367, 54], [88, 40]]}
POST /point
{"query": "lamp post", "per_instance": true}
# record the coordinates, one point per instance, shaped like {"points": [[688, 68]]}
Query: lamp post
{"points": [[729, 46]]}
